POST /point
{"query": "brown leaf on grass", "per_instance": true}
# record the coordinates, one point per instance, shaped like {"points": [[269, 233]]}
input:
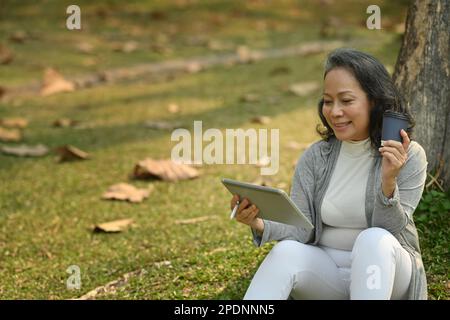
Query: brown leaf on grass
{"points": [[26, 151], [126, 192], [18, 36], [173, 108], [113, 226], [160, 48], [112, 286], [158, 15], [6, 56], [70, 153], [165, 170], [89, 62], [250, 97], [2, 91], [126, 47], [10, 135], [244, 54], [304, 88], [216, 45], [64, 122], [85, 47], [54, 82], [193, 220], [162, 125], [14, 122], [193, 67], [399, 28], [261, 119]]}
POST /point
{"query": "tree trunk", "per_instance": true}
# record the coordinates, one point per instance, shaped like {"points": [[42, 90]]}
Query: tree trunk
{"points": [[422, 74]]}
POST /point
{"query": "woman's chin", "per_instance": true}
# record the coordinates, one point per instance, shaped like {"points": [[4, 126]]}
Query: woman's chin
{"points": [[345, 137], [341, 136]]}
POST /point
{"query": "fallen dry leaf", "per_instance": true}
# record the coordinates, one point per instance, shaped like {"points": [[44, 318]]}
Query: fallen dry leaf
{"points": [[162, 125], [126, 192], [112, 286], [10, 135], [54, 82], [85, 47], [399, 28], [71, 153], [6, 55], [26, 151], [261, 120], [216, 45], [2, 91], [113, 226], [126, 47], [18, 36], [14, 122], [166, 170], [160, 48], [193, 220], [250, 97], [304, 88], [244, 54], [173, 108], [64, 122], [193, 67], [88, 62]]}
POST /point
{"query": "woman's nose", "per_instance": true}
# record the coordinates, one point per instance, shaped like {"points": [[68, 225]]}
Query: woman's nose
{"points": [[336, 111]]}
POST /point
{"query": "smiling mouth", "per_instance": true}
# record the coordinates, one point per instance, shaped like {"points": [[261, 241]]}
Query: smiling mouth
{"points": [[341, 125]]}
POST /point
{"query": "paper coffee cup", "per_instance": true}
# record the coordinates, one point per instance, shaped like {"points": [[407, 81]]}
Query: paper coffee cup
{"points": [[393, 123]]}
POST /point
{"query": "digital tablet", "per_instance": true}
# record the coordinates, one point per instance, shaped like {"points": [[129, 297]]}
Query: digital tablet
{"points": [[273, 204]]}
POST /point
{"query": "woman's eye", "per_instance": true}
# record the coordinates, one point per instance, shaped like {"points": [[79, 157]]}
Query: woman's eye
{"points": [[347, 101], [327, 102]]}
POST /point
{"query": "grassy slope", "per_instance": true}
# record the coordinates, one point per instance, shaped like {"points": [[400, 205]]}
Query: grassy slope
{"points": [[46, 209]]}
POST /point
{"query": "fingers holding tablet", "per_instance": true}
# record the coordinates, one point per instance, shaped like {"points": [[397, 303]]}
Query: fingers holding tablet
{"points": [[248, 215]]}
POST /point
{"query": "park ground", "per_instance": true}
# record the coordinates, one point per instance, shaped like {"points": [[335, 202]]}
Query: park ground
{"points": [[47, 209]]}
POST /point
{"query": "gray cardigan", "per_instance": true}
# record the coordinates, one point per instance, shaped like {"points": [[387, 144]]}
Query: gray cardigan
{"points": [[309, 184]]}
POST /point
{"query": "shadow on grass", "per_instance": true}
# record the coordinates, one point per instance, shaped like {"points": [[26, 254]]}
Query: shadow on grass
{"points": [[232, 115]]}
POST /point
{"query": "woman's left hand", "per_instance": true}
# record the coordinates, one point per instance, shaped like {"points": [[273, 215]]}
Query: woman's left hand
{"points": [[394, 155]]}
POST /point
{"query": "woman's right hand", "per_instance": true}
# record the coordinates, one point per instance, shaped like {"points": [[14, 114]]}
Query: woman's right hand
{"points": [[247, 213]]}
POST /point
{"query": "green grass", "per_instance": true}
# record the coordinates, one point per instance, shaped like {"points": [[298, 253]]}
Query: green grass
{"points": [[47, 209]]}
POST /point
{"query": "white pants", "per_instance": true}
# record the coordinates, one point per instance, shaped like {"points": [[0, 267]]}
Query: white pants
{"points": [[377, 268]]}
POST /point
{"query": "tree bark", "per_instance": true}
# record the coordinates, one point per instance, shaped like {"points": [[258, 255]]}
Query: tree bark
{"points": [[422, 74]]}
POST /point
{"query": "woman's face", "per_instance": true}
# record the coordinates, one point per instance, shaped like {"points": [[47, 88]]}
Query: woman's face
{"points": [[346, 106]]}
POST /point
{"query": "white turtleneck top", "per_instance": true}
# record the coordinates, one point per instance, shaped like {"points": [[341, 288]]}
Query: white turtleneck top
{"points": [[343, 206]]}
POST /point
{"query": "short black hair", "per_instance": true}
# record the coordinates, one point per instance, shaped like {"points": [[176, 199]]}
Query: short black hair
{"points": [[376, 83]]}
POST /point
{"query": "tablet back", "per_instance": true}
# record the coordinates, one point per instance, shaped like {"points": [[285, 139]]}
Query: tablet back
{"points": [[273, 204]]}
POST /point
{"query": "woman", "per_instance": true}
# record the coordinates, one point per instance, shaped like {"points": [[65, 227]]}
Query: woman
{"points": [[359, 196]]}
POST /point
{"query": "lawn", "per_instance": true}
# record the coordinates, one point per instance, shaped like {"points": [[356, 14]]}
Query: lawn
{"points": [[47, 209]]}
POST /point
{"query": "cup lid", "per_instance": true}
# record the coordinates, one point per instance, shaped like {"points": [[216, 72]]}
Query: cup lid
{"points": [[394, 114]]}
